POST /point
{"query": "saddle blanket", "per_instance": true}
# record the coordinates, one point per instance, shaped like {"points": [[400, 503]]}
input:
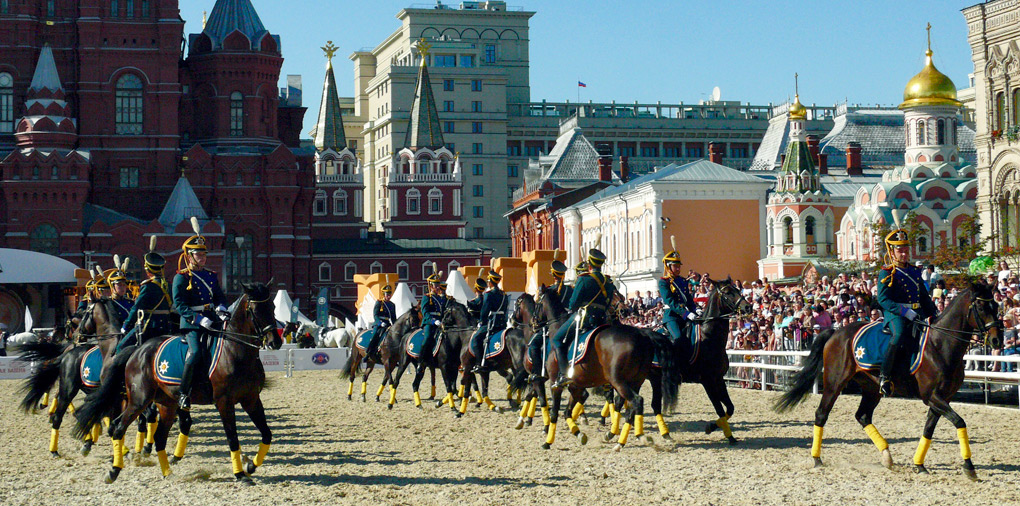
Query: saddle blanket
{"points": [[693, 334], [871, 342], [364, 339], [579, 348], [168, 362], [91, 366], [417, 341], [497, 343]]}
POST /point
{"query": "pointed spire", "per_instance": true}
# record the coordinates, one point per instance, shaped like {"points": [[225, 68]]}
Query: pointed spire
{"points": [[329, 130], [423, 130], [228, 16], [46, 76]]}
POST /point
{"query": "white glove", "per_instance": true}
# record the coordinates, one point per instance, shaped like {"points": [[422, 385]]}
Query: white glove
{"points": [[909, 314], [691, 316], [123, 330], [437, 322], [221, 307], [206, 323]]}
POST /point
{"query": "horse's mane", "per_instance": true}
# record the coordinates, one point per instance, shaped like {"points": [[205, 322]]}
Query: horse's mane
{"points": [[112, 317], [553, 299]]}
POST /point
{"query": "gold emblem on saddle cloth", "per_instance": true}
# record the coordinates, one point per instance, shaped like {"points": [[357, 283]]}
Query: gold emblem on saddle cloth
{"points": [[859, 352], [163, 366]]}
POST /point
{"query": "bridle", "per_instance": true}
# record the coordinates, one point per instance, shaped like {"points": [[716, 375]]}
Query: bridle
{"points": [[537, 323], [258, 340], [86, 338], [447, 312], [730, 309], [973, 314]]}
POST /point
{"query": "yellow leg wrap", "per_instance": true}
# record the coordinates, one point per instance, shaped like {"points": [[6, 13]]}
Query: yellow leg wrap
{"points": [[550, 435], [625, 434], [393, 395], [54, 436], [463, 405], [532, 406], [876, 438], [433, 392], [460, 392], [70, 407], [488, 402], [53, 406], [661, 422], [350, 389], [961, 434], [639, 425], [524, 409], [615, 427], [139, 442], [448, 399], [164, 463], [417, 399], [377, 392], [478, 396], [150, 432], [576, 412], [118, 454], [922, 451], [364, 388], [106, 422], [182, 444], [260, 457], [518, 396], [574, 429], [607, 409], [235, 461], [816, 443], [45, 399], [545, 416], [97, 431], [724, 423]]}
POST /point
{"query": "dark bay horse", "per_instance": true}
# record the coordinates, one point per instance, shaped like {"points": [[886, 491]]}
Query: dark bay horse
{"points": [[939, 376], [389, 352], [238, 378], [508, 364], [445, 358]]}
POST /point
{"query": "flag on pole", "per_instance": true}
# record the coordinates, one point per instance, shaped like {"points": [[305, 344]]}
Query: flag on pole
{"points": [[581, 85]]}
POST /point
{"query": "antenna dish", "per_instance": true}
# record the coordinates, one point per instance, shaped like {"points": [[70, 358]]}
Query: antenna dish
{"points": [[716, 93]]}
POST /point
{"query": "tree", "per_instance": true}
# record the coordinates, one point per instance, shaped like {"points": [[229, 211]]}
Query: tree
{"points": [[953, 258]]}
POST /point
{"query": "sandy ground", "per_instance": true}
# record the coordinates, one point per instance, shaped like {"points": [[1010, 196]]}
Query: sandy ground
{"points": [[327, 449]]}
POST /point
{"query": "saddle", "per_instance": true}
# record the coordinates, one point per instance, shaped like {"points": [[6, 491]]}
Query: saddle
{"points": [[168, 362], [364, 339], [417, 342], [91, 366], [497, 344], [579, 348], [688, 350], [872, 340]]}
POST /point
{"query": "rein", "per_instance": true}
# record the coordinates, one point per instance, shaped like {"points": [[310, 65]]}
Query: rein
{"points": [[954, 333]]}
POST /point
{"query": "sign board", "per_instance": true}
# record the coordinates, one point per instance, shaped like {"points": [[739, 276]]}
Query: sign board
{"points": [[12, 368], [273, 360], [311, 359], [322, 307]]}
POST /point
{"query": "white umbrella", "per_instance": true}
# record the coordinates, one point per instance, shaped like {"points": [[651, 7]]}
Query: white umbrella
{"points": [[458, 287], [403, 299], [28, 320]]}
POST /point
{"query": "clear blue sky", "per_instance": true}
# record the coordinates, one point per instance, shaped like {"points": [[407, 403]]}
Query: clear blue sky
{"points": [[670, 51]]}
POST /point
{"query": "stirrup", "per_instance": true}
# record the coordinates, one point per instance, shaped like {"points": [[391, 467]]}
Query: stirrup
{"points": [[184, 403], [562, 381], [886, 386]]}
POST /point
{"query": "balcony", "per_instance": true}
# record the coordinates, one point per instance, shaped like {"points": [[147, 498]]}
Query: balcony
{"points": [[340, 178], [448, 177]]}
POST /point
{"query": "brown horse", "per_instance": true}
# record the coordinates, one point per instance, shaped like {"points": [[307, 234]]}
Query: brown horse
{"points": [[238, 378], [938, 377], [389, 352]]}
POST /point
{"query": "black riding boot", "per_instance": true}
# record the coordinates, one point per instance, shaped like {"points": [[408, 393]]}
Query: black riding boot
{"points": [[564, 364], [885, 376], [183, 396], [373, 347]]}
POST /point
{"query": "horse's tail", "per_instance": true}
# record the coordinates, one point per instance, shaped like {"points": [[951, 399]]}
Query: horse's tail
{"points": [[350, 368], [45, 374], [804, 380], [106, 400], [669, 363]]}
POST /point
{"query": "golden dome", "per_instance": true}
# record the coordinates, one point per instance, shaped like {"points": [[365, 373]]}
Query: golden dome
{"points": [[929, 87], [797, 110]]}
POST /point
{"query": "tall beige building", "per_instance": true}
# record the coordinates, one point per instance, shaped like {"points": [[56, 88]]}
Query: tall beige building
{"points": [[994, 35]]}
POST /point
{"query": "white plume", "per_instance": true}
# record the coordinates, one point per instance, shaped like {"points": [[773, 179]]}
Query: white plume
{"points": [[195, 227], [672, 241], [116, 261], [124, 266], [152, 243]]}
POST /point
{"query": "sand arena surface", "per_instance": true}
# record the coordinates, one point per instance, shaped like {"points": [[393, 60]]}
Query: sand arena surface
{"points": [[329, 450]]}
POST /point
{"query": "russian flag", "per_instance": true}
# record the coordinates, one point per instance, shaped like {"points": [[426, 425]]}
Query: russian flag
{"points": [[581, 85]]}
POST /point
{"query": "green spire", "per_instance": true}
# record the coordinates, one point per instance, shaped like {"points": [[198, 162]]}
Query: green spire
{"points": [[424, 130], [329, 130]]}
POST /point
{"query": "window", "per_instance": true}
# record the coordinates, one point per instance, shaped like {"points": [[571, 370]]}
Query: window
{"points": [[413, 201], [426, 269], [940, 132], [476, 148], [738, 152], [340, 202], [51, 9], [435, 201], [114, 8], [6, 103], [145, 8], [476, 169], [922, 244], [402, 271], [325, 272], [650, 151], [451, 146], [809, 229], [788, 230], [954, 132], [695, 152], [476, 85], [532, 150], [448, 127], [238, 260], [350, 269], [490, 53], [467, 60], [447, 84], [444, 60], [513, 150], [319, 205], [511, 171], [375, 268], [1000, 110], [128, 105], [476, 106], [129, 6], [511, 189], [478, 212], [44, 239], [1016, 108], [627, 151], [964, 242], [129, 177], [476, 127], [236, 114], [921, 141], [478, 190], [4, 6], [479, 232], [448, 106], [671, 152]]}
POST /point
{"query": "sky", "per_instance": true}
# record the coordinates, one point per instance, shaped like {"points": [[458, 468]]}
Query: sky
{"points": [[862, 52]]}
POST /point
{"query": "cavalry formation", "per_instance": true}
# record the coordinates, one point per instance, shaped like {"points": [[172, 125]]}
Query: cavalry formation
{"points": [[135, 364]]}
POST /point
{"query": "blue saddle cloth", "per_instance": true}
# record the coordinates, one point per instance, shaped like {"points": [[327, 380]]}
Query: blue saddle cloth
{"points": [[416, 342], [871, 342], [579, 348], [364, 339], [91, 366], [692, 334], [497, 343], [168, 362]]}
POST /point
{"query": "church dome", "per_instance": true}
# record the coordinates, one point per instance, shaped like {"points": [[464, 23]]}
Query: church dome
{"points": [[929, 87], [797, 110]]}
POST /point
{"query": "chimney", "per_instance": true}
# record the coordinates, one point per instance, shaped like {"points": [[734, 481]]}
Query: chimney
{"points": [[823, 163], [624, 168], [812, 145], [715, 152], [782, 159], [605, 162], [853, 159]]}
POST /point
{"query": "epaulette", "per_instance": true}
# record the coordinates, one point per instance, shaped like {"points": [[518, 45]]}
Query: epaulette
{"points": [[888, 280]]}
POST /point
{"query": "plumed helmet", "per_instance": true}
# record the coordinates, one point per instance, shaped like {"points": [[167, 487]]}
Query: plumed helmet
{"points": [[479, 284], [387, 289], [558, 269]]}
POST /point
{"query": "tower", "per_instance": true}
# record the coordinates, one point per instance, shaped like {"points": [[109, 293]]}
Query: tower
{"points": [[930, 111], [799, 216]]}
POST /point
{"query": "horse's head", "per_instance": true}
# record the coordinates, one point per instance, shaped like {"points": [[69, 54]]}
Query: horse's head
{"points": [[260, 311], [455, 314], [548, 307], [524, 308], [730, 297], [983, 313]]}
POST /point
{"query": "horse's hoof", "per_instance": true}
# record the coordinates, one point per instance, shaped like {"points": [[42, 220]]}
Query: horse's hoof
{"points": [[817, 462], [419, 406], [439, 404], [968, 469], [602, 422], [667, 437], [582, 437], [458, 414], [389, 406], [377, 399], [112, 475], [147, 450], [732, 440], [920, 469], [710, 427], [546, 446], [364, 399], [887, 458], [618, 447], [607, 437], [249, 467], [86, 449], [520, 424], [243, 479], [174, 460], [350, 397], [528, 422], [55, 455]]}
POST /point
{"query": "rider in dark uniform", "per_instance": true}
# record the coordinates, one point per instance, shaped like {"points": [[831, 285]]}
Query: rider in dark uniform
{"points": [[474, 305], [592, 292], [903, 298], [432, 307], [385, 313], [199, 300], [119, 287], [491, 319], [558, 271], [150, 314], [676, 296]]}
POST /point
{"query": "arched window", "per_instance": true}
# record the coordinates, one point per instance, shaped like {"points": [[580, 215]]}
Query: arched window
{"points": [[319, 205], [402, 270], [238, 259], [350, 269], [954, 132], [128, 105], [236, 114], [920, 134], [922, 244], [44, 239], [375, 268], [941, 132], [6, 103], [809, 229], [1000, 110], [325, 272], [340, 202], [1016, 106], [435, 201], [413, 201], [788, 230], [329, 166]]}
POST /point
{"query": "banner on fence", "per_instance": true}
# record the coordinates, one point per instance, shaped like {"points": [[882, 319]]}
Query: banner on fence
{"points": [[319, 358], [12, 368], [273, 360]]}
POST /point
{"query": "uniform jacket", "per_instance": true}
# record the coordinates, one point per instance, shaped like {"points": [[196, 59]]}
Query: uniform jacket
{"points": [[154, 295], [902, 288], [123, 306], [475, 305], [432, 307], [494, 306], [566, 292], [200, 300], [676, 298], [384, 312], [592, 288]]}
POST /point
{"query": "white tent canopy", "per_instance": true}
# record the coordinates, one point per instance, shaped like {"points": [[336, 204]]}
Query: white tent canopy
{"points": [[458, 287], [403, 299], [365, 317], [285, 307], [23, 266]]}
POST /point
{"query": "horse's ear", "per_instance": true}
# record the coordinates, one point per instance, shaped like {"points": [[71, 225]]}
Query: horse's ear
{"points": [[246, 286], [542, 287]]}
